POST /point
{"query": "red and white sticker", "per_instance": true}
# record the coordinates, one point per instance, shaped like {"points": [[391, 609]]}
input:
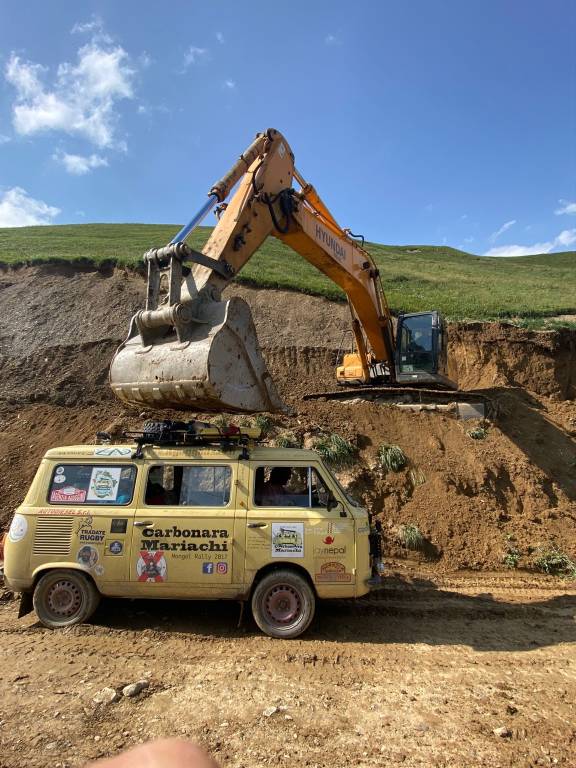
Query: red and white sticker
{"points": [[68, 495], [151, 567]]}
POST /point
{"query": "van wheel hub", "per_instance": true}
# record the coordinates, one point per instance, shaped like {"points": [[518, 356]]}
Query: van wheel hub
{"points": [[64, 598], [283, 604]]}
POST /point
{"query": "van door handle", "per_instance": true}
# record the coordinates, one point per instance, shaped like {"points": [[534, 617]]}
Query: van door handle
{"points": [[143, 523], [257, 525]]}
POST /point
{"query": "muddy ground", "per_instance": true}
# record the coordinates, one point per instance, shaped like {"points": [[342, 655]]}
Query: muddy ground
{"points": [[420, 675]]}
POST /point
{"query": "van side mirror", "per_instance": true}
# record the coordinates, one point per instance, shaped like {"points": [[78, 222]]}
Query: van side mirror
{"points": [[332, 502]]}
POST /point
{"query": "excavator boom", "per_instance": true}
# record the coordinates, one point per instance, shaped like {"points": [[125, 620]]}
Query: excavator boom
{"points": [[189, 350]]}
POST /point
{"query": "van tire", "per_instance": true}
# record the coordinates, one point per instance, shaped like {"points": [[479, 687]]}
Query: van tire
{"points": [[283, 604], [65, 597]]}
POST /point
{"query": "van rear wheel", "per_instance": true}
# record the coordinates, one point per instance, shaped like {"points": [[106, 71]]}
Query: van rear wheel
{"points": [[63, 598], [283, 604]]}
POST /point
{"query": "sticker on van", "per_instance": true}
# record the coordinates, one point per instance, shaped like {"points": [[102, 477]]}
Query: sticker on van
{"points": [[287, 539], [151, 566]]}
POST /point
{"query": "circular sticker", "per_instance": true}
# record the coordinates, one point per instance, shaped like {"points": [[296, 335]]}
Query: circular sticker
{"points": [[59, 470], [87, 556], [60, 479], [18, 528], [98, 570]]}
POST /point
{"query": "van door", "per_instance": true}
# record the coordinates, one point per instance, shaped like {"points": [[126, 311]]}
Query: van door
{"points": [[183, 531], [288, 520]]}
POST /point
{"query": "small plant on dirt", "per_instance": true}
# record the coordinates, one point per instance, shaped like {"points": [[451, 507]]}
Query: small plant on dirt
{"points": [[392, 458], [288, 440], [417, 477], [478, 433], [554, 562], [220, 421], [411, 537], [335, 450], [264, 423], [512, 555], [511, 559]]}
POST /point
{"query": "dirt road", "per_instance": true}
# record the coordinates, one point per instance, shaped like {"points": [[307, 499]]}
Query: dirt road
{"points": [[420, 675]]}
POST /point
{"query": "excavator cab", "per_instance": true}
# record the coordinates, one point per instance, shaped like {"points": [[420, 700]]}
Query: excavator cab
{"points": [[420, 354]]}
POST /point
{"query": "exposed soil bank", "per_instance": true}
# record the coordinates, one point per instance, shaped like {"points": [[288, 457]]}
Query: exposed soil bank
{"points": [[473, 500]]}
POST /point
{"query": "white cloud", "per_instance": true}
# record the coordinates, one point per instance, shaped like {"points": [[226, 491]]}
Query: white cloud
{"points": [[565, 239], [81, 101], [4, 139], [506, 226], [78, 165], [94, 28], [88, 26], [331, 40], [230, 84], [469, 239], [18, 209], [567, 207], [220, 38], [195, 55], [145, 60]]}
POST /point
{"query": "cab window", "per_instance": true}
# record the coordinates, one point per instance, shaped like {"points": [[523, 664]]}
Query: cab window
{"points": [[417, 348], [188, 486], [282, 486], [91, 484]]}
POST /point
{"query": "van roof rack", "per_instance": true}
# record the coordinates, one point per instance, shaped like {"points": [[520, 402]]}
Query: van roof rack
{"points": [[188, 433]]}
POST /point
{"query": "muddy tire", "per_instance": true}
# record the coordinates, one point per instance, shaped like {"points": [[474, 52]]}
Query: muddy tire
{"points": [[63, 598], [283, 604]]}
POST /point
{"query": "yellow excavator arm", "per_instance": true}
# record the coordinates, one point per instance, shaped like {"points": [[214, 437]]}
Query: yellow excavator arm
{"points": [[188, 349]]}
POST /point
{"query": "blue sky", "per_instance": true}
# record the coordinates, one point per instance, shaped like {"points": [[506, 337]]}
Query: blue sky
{"points": [[423, 121]]}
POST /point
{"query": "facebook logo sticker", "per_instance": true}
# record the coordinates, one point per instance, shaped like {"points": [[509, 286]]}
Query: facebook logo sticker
{"points": [[208, 568]]}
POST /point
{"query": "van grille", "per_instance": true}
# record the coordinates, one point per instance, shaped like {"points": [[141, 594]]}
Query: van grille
{"points": [[53, 536]]}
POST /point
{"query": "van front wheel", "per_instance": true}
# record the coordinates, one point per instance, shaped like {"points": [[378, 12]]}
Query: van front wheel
{"points": [[63, 598], [283, 604]]}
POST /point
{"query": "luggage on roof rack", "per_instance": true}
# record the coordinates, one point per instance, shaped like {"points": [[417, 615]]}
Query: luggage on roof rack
{"points": [[169, 432]]}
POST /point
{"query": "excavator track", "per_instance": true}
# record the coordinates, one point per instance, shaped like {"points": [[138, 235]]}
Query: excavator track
{"points": [[478, 404]]}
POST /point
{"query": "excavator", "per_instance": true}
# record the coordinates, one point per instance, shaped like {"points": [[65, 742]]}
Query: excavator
{"points": [[188, 349]]}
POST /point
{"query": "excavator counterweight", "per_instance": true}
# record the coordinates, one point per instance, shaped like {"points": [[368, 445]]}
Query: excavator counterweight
{"points": [[189, 350]]}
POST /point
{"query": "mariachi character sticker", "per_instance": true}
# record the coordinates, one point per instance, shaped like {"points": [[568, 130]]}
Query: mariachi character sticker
{"points": [[87, 556], [151, 567]]}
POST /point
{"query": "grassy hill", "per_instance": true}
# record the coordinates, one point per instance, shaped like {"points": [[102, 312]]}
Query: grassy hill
{"points": [[462, 286]]}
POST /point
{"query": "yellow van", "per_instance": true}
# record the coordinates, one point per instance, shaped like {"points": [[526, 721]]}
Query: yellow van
{"points": [[188, 510]]}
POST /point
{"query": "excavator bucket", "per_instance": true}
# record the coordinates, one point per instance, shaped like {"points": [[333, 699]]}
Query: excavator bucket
{"points": [[209, 362]]}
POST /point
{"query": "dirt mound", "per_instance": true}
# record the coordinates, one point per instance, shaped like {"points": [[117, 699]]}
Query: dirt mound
{"points": [[472, 500], [500, 354]]}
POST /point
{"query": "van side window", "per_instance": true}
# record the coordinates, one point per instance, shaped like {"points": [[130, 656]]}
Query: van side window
{"points": [[283, 486], [188, 486], [91, 484]]}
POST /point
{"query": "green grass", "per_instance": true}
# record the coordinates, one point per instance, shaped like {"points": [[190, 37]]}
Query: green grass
{"points": [[411, 537], [462, 286], [335, 450], [392, 458]]}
